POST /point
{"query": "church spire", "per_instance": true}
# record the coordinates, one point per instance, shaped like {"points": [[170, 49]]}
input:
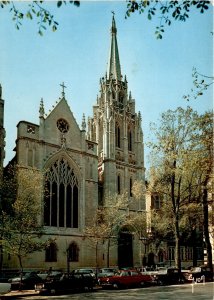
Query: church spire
{"points": [[114, 70]]}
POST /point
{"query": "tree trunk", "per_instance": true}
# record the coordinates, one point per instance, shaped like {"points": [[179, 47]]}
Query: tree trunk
{"points": [[177, 245], [20, 262], [96, 258], [108, 252], [21, 273], [1, 258], [194, 246], [206, 229]]}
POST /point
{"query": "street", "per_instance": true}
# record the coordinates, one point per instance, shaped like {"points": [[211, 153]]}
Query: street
{"points": [[197, 291]]}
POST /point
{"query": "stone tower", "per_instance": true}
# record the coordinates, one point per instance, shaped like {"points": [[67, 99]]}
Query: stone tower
{"points": [[116, 127]]}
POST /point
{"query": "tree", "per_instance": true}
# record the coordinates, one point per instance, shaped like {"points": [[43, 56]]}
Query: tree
{"points": [[22, 232], [139, 221], [179, 153], [37, 10], [166, 11], [200, 84], [8, 189], [108, 221], [97, 232], [204, 143]]}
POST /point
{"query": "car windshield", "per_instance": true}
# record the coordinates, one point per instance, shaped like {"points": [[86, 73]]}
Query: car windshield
{"points": [[196, 269], [107, 270], [84, 271]]}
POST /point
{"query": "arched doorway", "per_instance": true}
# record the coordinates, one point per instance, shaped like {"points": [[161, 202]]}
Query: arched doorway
{"points": [[125, 249], [151, 261]]}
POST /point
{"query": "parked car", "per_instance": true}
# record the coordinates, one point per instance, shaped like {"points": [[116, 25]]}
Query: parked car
{"points": [[5, 276], [50, 274], [84, 271], [148, 270], [125, 279], [171, 275], [25, 281], [106, 272], [66, 283], [200, 274]]}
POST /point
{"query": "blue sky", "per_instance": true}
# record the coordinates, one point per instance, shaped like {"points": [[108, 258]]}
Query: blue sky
{"points": [[159, 72]]}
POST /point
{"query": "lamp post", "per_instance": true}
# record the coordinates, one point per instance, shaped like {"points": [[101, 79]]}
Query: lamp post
{"points": [[68, 261]]}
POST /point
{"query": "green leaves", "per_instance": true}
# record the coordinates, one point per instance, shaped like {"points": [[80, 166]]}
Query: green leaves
{"points": [[36, 10], [166, 11], [59, 3], [29, 15], [159, 31], [20, 230], [201, 83]]}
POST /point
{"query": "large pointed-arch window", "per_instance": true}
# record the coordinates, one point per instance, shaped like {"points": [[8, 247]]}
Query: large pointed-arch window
{"points": [[129, 139], [61, 196], [117, 135]]}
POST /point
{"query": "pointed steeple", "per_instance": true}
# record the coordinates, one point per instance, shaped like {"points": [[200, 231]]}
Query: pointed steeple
{"points": [[114, 70]]}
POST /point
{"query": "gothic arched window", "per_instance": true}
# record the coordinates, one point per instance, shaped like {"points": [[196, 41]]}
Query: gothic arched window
{"points": [[51, 253], [130, 187], [120, 98], [118, 184], [117, 135], [73, 252], [129, 139], [61, 196]]}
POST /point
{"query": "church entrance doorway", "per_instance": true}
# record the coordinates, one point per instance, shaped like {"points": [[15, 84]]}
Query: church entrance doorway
{"points": [[125, 249], [151, 261]]}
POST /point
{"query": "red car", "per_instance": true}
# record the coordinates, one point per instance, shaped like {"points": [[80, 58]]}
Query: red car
{"points": [[125, 279]]}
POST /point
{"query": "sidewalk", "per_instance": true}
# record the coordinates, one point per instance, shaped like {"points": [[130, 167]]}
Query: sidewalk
{"points": [[16, 294]]}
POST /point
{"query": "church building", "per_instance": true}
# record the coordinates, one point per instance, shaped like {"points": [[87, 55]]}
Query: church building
{"points": [[82, 165]]}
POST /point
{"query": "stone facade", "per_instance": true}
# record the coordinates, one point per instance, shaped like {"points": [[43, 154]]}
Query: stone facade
{"points": [[82, 167]]}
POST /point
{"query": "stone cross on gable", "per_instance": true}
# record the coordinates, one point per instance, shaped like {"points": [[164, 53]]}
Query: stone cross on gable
{"points": [[63, 89]]}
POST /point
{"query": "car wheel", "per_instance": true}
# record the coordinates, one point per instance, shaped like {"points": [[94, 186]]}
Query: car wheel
{"points": [[52, 291], [181, 280], [116, 285], [198, 280], [142, 284], [160, 282]]}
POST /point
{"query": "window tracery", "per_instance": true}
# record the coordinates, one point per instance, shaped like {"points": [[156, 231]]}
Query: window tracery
{"points": [[61, 196]]}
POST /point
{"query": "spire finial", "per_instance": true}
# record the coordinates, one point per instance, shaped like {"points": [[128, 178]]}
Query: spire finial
{"points": [[63, 89], [83, 122], [41, 109], [113, 27]]}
